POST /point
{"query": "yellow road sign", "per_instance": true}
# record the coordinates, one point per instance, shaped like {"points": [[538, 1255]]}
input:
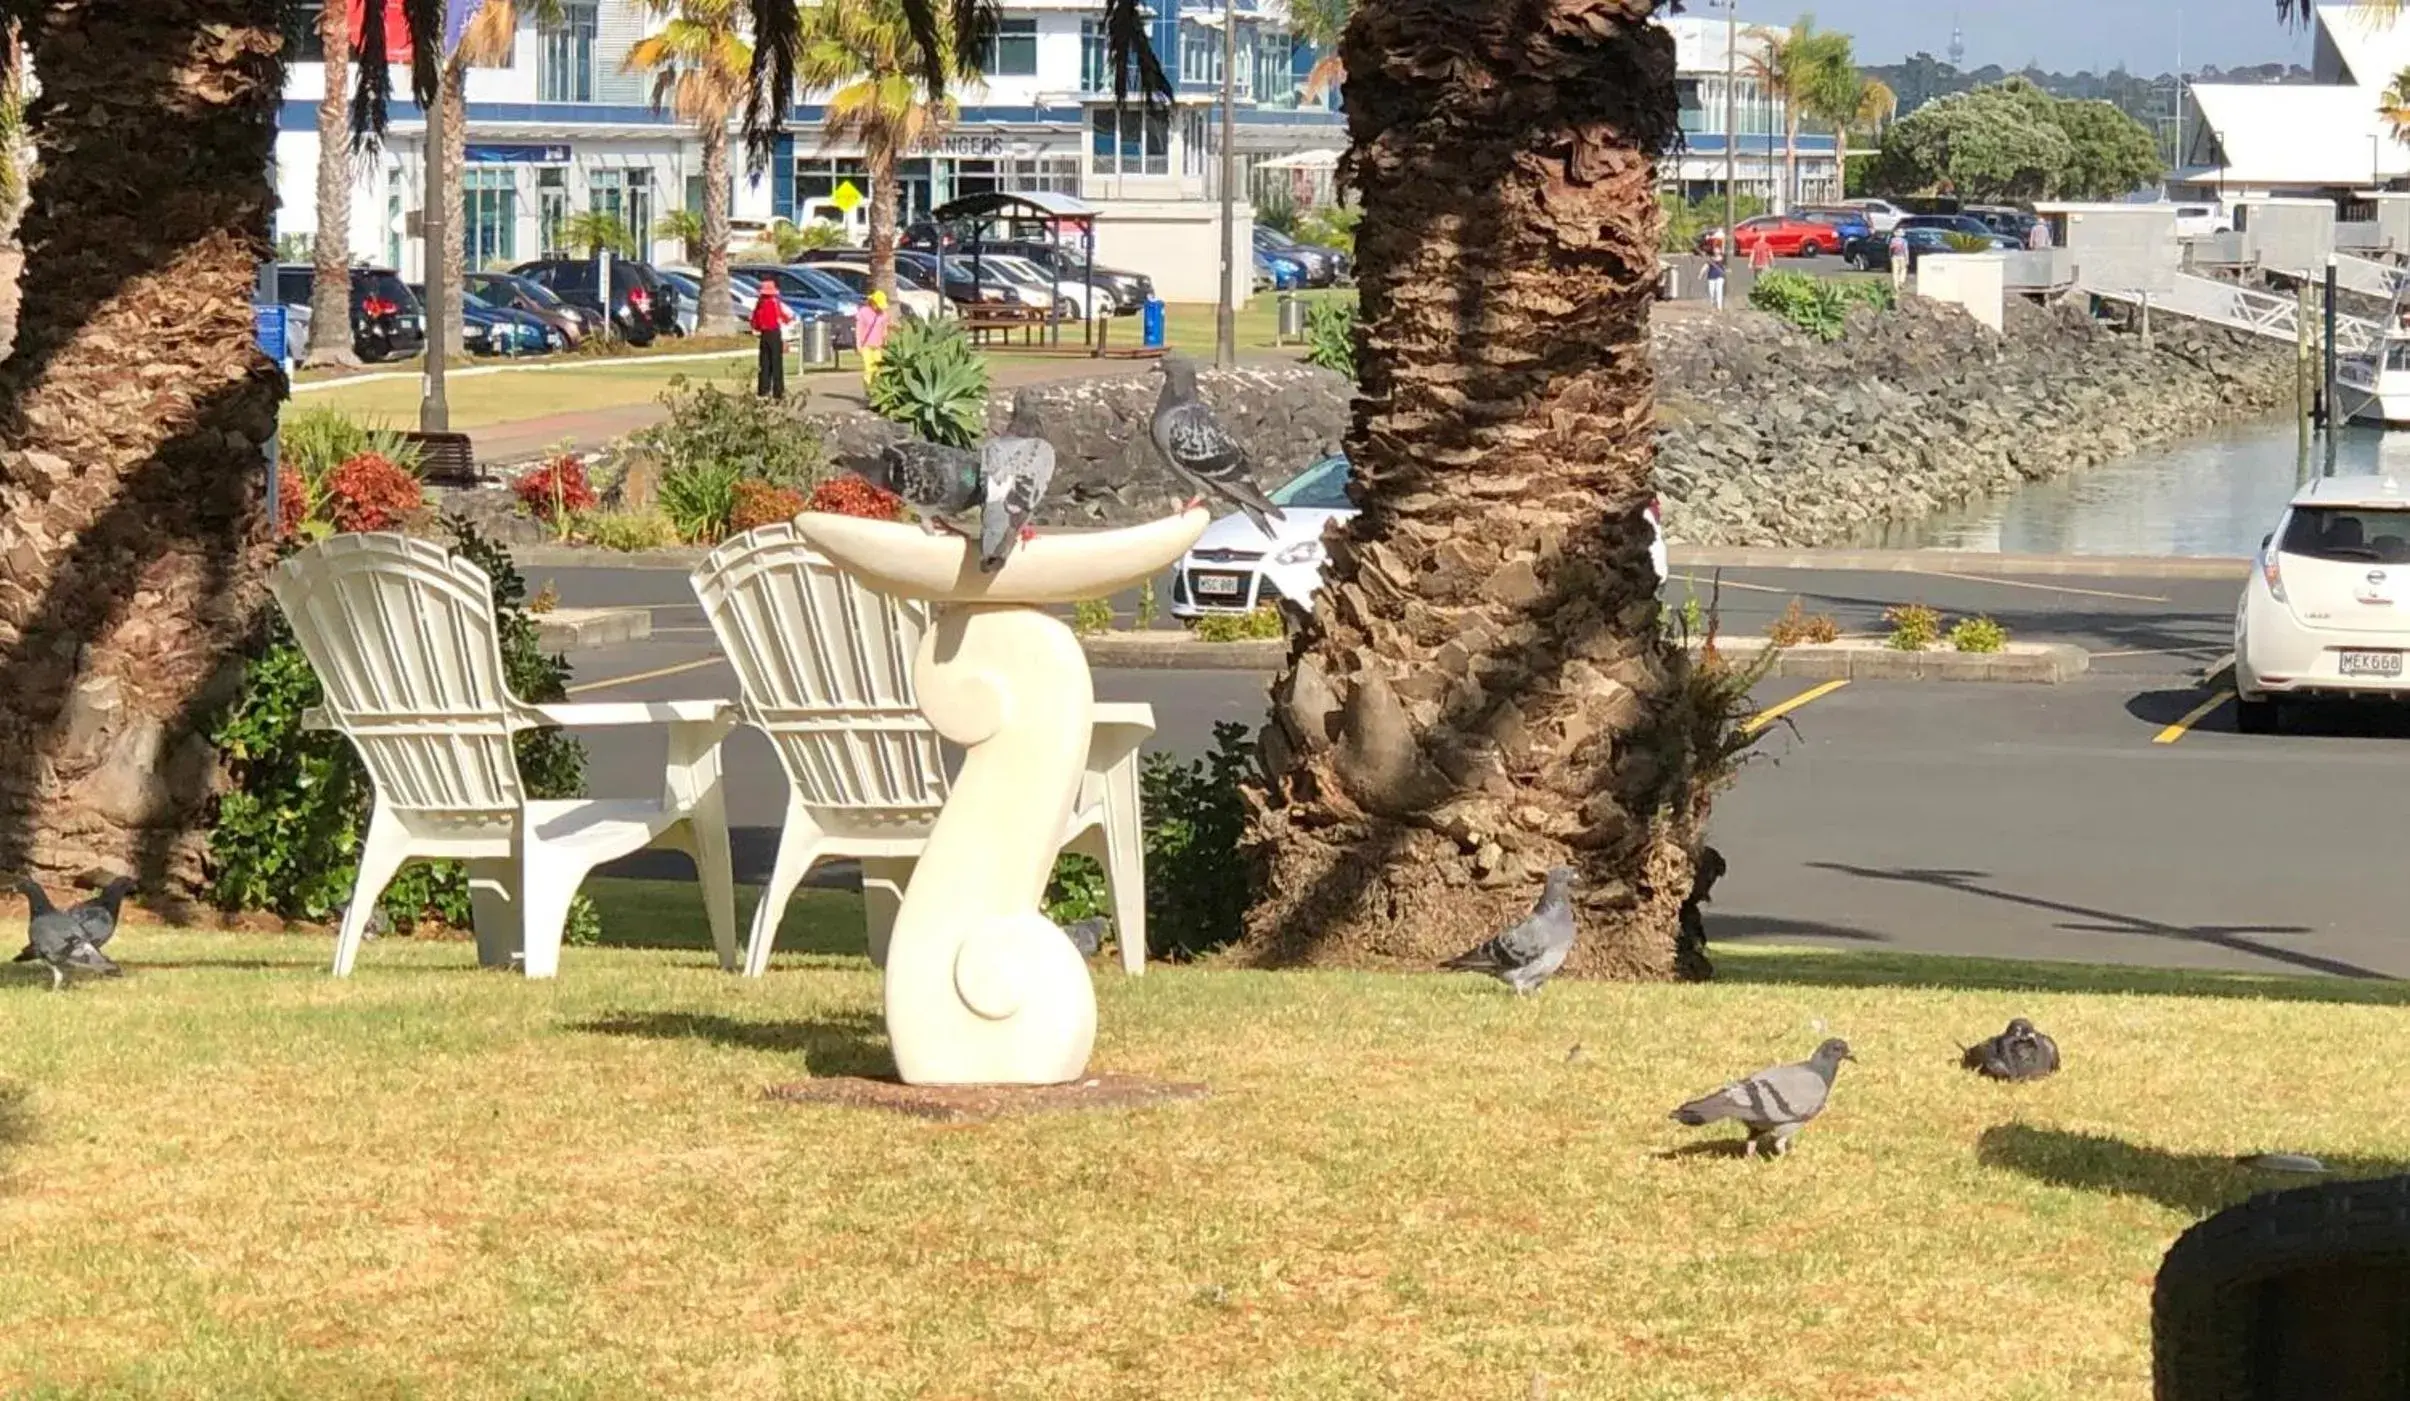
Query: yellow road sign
{"points": [[846, 197]]}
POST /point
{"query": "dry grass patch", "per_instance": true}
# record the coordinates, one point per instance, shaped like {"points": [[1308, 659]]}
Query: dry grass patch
{"points": [[227, 1175]]}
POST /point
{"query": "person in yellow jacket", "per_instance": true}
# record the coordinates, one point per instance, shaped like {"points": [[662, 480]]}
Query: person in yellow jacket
{"points": [[870, 335]]}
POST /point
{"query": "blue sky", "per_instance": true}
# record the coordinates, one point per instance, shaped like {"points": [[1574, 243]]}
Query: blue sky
{"points": [[2059, 34]]}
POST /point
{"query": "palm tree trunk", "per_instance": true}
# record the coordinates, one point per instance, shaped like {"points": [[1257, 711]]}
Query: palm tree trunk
{"points": [[330, 250], [885, 200], [455, 196], [718, 315], [1482, 690], [133, 416]]}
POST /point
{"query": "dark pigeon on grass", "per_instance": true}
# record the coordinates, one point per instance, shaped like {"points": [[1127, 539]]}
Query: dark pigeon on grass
{"points": [[97, 917], [1087, 935], [1528, 955], [61, 940], [1016, 466], [1774, 1103], [2019, 1053], [1200, 451], [935, 480]]}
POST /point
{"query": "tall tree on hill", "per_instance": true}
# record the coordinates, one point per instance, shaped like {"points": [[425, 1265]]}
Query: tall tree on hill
{"points": [[699, 61], [1815, 78]]}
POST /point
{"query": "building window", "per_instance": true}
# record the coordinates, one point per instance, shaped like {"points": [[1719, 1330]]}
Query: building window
{"points": [[566, 72], [1013, 51], [1095, 66], [1058, 174], [489, 214], [1139, 145], [552, 208], [1242, 80], [818, 179], [1200, 54], [1274, 78], [626, 195]]}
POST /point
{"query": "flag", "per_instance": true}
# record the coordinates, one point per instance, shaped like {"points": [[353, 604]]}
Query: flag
{"points": [[457, 14]]}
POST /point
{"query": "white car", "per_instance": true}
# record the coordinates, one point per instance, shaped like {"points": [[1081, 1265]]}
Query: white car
{"points": [[2200, 220], [2327, 612], [1234, 567], [1882, 215], [1068, 298]]}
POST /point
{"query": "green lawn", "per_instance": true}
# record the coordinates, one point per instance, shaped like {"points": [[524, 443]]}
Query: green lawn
{"points": [[227, 1175]]}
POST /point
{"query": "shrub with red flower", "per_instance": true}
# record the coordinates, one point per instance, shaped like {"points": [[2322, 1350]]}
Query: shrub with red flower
{"points": [[292, 502], [759, 503], [556, 487], [370, 491], [849, 495]]}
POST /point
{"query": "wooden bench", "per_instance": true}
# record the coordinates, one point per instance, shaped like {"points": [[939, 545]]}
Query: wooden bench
{"points": [[1028, 320], [445, 459]]}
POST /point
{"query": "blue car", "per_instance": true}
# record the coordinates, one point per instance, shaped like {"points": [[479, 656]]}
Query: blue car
{"points": [[1281, 271], [1849, 223]]}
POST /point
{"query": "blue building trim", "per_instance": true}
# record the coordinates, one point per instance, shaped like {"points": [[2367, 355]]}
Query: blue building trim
{"points": [[782, 179], [1712, 143]]}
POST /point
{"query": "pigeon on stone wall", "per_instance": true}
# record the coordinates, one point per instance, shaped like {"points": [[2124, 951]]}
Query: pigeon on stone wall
{"points": [[1528, 955], [1774, 1103], [1200, 451], [2019, 1053], [1017, 466], [935, 480], [60, 939]]}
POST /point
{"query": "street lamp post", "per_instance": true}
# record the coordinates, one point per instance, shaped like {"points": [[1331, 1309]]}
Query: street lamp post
{"points": [[434, 414]]}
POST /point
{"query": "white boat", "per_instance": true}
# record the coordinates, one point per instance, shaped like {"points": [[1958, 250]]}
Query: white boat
{"points": [[2375, 386]]}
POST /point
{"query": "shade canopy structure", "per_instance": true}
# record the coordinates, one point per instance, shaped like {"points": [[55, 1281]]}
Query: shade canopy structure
{"points": [[991, 216]]}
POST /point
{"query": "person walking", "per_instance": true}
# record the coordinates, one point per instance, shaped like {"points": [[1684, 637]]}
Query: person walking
{"points": [[1715, 279], [769, 322], [1896, 252], [870, 335], [2037, 238], [1761, 255]]}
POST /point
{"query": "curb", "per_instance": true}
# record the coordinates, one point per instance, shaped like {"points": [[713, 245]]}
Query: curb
{"points": [[1959, 562], [1181, 652], [2037, 663], [575, 629], [680, 557]]}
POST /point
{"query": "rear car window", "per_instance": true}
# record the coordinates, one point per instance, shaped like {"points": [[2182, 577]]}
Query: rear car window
{"points": [[2353, 534], [384, 286], [1321, 487]]}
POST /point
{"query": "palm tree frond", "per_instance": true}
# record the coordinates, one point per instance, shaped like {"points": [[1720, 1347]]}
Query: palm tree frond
{"points": [[372, 80], [1126, 44], [975, 24], [425, 19], [777, 42]]}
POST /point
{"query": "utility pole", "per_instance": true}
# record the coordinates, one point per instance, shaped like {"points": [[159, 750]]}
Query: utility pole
{"points": [[434, 415], [1225, 316], [1732, 132]]}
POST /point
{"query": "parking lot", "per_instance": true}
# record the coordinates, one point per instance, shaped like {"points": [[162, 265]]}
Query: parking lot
{"points": [[2119, 817]]}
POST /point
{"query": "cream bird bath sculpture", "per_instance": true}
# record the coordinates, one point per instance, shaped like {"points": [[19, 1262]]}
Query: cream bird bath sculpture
{"points": [[982, 988]]}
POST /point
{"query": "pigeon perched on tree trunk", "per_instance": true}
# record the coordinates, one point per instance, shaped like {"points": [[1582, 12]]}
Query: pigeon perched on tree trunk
{"points": [[1773, 1104], [1528, 955], [935, 480], [59, 939], [1200, 451], [2019, 1053], [1016, 468]]}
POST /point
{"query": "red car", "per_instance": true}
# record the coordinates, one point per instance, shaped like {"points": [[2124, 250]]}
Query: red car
{"points": [[1789, 238]]}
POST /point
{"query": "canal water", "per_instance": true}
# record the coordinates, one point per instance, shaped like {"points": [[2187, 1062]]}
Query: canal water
{"points": [[2215, 495]]}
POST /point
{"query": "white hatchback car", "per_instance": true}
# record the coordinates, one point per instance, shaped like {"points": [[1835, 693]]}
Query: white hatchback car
{"points": [[2327, 612], [1235, 568]]}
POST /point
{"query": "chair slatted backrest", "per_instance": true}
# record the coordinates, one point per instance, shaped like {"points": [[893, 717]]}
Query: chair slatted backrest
{"points": [[824, 667], [403, 638]]}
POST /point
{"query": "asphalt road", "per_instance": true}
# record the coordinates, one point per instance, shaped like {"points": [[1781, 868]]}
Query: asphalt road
{"points": [[2085, 821]]}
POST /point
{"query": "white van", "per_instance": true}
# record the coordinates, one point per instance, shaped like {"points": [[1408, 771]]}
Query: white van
{"points": [[2201, 220]]}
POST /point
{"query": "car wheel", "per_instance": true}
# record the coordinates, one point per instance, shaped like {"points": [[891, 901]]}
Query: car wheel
{"points": [[1811, 249], [2257, 717], [1066, 309]]}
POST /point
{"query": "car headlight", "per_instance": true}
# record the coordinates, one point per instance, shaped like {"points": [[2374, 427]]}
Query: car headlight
{"points": [[1303, 552]]}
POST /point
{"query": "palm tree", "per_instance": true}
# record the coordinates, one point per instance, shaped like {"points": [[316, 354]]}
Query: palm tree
{"points": [[1877, 105], [488, 37], [1320, 23], [699, 62], [2393, 106], [864, 50], [593, 230], [330, 248], [1813, 76]]}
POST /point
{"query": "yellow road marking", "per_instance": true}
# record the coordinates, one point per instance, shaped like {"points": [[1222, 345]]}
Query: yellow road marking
{"points": [[2027, 584], [679, 670], [1779, 709], [2191, 718]]}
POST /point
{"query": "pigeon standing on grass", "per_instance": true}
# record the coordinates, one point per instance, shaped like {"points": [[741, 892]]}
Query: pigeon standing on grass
{"points": [[1017, 467], [1200, 451], [1773, 1104], [1528, 955], [61, 939], [2019, 1053], [935, 480]]}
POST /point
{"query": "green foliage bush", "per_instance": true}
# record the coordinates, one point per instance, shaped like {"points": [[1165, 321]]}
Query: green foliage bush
{"points": [[700, 500], [714, 439], [1330, 226], [1978, 634], [626, 530], [1091, 616], [1914, 627], [1276, 209], [1873, 293], [312, 442], [1196, 885], [285, 836], [1958, 242], [1258, 624], [932, 381], [1684, 222], [1330, 335], [1810, 303]]}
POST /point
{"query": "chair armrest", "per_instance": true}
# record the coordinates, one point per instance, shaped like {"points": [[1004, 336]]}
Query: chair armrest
{"points": [[1116, 730], [316, 718], [571, 715]]}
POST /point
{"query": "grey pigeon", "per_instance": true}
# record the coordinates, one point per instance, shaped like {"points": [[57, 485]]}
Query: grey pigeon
{"points": [[1773, 1104], [1200, 451], [97, 917], [1087, 935], [2019, 1053], [60, 940], [1528, 955], [1016, 468], [933, 479]]}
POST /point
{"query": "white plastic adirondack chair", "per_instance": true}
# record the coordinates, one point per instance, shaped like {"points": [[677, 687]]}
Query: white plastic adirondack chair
{"points": [[403, 638], [824, 667]]}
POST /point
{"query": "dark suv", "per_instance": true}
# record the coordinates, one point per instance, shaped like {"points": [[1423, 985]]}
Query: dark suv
{"points": [[387, 323], [642, 305]]}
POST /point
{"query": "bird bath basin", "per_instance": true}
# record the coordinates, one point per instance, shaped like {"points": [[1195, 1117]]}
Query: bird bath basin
{"points": [[981, 988]]}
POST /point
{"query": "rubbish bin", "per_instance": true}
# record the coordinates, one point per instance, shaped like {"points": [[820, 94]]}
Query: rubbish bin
{"points": [[819, 345], [1292, 317], [1151, 318], [1669, 283]]}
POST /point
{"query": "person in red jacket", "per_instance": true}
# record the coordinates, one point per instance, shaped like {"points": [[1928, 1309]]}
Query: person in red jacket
{"points": [[769, 322]]}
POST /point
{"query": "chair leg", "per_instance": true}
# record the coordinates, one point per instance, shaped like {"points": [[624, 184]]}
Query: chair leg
{"points": [[1125, 862], [695, 783], [495, 905], [546, 886], [798, 848], [883, 882], [382, 851]]}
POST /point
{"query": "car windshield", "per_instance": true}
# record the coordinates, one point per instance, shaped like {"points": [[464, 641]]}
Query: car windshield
{"points": [[2349, 533], [384, 286], [1321, 487]]}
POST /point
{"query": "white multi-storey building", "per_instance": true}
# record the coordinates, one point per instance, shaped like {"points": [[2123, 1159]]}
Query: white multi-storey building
{"points": [[563, 126], [1713, 79]]}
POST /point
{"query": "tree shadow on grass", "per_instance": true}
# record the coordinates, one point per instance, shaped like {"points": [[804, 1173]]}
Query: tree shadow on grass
{"points": [[1885, 968], [845, 1043], [2199, 1183]]}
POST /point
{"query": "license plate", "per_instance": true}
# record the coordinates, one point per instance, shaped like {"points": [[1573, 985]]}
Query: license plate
{"points": [[2369, 663], [410, 323], [1220, 585]]}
